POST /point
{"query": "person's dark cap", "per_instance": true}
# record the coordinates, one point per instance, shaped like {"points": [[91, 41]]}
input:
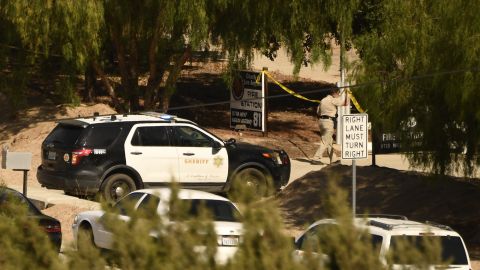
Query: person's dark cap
{"points": [[335, 90]]}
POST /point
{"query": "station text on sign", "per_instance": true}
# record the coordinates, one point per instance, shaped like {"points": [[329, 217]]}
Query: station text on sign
{"points": [[355, 136]]}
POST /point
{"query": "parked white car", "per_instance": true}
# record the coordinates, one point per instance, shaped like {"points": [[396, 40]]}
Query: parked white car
{"points": [[386, 230], [225, 217]]}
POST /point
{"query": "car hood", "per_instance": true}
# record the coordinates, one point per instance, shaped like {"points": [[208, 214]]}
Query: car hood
{"points": [[95, 214], [249, 147]]}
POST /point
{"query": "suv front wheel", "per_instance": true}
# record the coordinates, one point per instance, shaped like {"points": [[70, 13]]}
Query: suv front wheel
{"points": [[252, 181], [116, 186]]}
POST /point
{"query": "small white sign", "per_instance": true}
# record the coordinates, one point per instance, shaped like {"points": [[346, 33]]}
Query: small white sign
{"points": [[355, 136]]}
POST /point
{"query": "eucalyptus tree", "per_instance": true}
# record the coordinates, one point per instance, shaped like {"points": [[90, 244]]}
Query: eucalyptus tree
{"points": [[134, 38], [155, 38], [37, 36], [426, 57], [304, 28], [161, 34]]}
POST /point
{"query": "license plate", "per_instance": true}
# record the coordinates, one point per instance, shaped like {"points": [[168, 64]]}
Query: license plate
{"points": [[230, 241], [51, 155]]}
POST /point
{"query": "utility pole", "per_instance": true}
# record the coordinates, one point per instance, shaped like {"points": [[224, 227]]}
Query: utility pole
{"points": [[345, 110], [343, 85]]}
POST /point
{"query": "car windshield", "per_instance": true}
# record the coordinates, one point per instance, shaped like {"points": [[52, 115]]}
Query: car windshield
{"points": [[453, 251], [220, 210], [12, 197]]}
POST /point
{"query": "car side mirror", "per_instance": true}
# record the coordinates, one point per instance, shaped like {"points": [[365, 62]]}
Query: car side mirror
{"points": [[230, 141]]}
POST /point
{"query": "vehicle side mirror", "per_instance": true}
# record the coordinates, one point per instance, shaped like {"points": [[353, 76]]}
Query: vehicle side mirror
{"points": [[230, 141]]}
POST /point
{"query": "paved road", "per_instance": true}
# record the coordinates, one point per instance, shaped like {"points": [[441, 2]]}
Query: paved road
{"points": [[45, 198], [300, 167]]}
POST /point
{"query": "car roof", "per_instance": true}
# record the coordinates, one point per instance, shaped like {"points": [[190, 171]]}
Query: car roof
{"points": [[395, 226], [117, 118], [401, 226], [184, 194], [7, 190]]}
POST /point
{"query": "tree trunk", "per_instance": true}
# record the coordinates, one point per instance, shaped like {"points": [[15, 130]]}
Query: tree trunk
{"points": [[90, 79], [108, 86], [170, 84], [133, 95], [153, 87], [129, 78], [155, 77]]}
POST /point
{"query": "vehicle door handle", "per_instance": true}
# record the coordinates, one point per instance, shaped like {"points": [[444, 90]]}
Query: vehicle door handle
{"points": [[136, 153], [188, 154]]}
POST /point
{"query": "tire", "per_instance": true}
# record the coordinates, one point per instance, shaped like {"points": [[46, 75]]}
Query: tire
{"points": [[85, 238], [249, 181], [116, 186]]}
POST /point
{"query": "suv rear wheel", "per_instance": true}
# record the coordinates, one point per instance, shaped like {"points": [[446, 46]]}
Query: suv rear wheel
{"points": [[116, 186]]}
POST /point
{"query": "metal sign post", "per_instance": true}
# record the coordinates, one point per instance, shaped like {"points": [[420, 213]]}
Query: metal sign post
{"points": [[354, 146], [25, 177]]}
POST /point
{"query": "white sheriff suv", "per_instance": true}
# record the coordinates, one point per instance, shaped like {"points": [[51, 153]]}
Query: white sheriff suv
{"points": [[387, 230], [117, 154], [225, 217]]}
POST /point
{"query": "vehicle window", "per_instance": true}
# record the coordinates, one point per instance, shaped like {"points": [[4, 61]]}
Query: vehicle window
{"points": [[102, 136], [127, 203], [452, 247], [314, 238], [64, 135], [188, 136], [377, 241], [148, 206], [220, 210], [17, 198], [151, 136]]}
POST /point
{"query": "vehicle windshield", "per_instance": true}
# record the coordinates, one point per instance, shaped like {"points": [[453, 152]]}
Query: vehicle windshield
{"points": [[220, 210], [11, 197], [64, 135], [453, 251], [210, 133]]}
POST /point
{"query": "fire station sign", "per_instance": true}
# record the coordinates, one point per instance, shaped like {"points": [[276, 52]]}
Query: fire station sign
{"points": [[247, 101], [355, 136]]}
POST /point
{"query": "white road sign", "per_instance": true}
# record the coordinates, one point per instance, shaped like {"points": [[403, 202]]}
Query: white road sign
{"points": [[355, 136], [247, 102]]}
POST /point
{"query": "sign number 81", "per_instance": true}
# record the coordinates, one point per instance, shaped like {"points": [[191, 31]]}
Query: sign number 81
{"points": [[257, 119]]}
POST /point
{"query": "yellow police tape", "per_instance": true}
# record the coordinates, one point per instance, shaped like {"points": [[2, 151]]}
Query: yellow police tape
{"points": [[293, 93], [355, 101]]}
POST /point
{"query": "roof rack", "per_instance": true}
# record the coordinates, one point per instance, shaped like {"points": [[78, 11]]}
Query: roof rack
{"points": [[438, 225], [380, 225], [382, 216]]}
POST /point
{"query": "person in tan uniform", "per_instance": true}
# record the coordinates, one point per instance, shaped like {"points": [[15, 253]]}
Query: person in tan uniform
{"points": [[326, 112]]}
